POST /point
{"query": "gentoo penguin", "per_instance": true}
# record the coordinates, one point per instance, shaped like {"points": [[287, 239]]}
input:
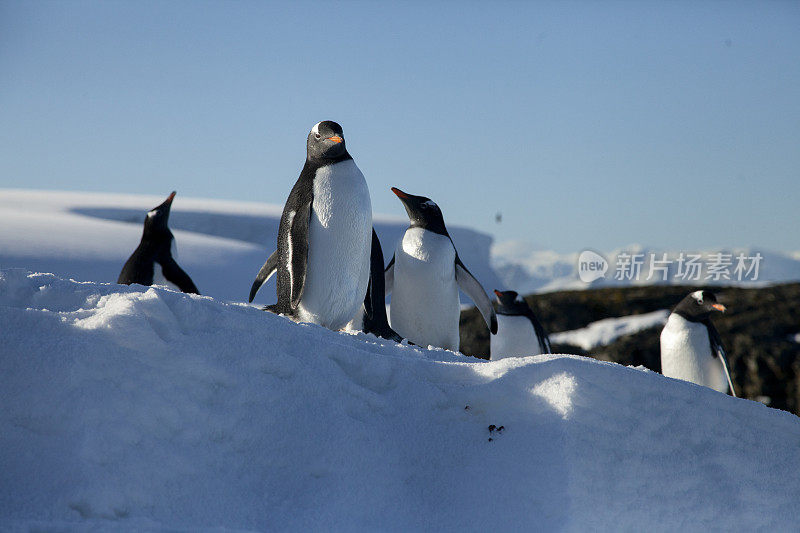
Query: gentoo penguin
{"points": [[424, 276], [153, 261], [691, 348], [371, 318], [327, 260], [519, 332]]}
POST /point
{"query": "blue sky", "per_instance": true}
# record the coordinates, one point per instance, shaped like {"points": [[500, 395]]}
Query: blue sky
{"points": [[587, 124]]}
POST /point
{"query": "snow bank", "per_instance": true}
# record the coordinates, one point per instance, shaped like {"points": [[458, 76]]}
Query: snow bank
{"points": [[140, 408], [606, 331], [221, 244]]}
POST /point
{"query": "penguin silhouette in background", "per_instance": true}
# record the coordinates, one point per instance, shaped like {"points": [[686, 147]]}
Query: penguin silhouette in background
{"points": [[519, 332], [691, 348], [424, 277], [153, 261], [329, 261]]}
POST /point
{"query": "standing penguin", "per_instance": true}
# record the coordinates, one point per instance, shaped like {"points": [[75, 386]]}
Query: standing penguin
{"points": [[691, 348], [153, 261], [519, 332], [424, 276], [327, 261]]}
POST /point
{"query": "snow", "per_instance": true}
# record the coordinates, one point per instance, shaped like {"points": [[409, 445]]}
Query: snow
{"points": [[221, 244], [135, 408], [528, 269], [604, 332]]}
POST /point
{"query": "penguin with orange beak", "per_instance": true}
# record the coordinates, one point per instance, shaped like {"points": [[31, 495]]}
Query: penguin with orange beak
{"points": [[329, 261], [424, 277], [691, 348]]}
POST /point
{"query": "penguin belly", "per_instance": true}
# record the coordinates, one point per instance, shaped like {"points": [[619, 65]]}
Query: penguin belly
{"points": [[425, 306], [160, 279], [686, 354], [339, 241], [515, 338]]}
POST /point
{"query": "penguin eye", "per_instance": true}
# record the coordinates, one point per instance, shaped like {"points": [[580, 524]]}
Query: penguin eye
{"points": [[699, 300], [317, 136]]}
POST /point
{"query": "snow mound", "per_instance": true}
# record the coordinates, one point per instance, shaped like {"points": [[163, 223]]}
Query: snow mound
{"points": [[604, 332], [137, 408]]}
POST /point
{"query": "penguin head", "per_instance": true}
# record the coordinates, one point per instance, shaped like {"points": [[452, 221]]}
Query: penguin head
{"points": [[698, 306], [510, 303], [156, 221], [325, 141], [423, 212]]}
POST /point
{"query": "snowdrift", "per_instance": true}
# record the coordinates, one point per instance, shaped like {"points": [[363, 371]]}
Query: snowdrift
{"points": [[130, 408]]}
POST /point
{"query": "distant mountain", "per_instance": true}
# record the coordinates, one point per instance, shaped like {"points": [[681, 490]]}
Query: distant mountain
{"points": [[528, 270]]}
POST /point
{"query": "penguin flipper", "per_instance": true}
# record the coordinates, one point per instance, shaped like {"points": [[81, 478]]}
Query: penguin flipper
{"points": [[175, 274], [298, 251], [541, 335], [388, 278], [375, 320], [266, 272], [719, 351], [467, 283]]}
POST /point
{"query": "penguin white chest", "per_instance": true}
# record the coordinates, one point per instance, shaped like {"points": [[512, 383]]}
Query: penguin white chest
{"points": [[686, 354], [425, 306], [515, 338], [339, 243]]}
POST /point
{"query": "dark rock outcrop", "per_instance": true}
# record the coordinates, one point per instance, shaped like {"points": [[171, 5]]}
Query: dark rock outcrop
{"points": [[765, 363]]}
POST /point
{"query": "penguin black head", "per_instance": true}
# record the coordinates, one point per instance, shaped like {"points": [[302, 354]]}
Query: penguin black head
{"points": [[698, 306], [423, 212], [326, 142], [155, 224], [509, 303]]}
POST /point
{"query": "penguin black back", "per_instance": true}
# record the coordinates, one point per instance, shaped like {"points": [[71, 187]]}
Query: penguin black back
{"points": [[154, 251]]}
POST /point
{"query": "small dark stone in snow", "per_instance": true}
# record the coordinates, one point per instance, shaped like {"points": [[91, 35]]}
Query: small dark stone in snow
{"points": [[466, 407], [500, 429], [492, 428], [490, 439]]}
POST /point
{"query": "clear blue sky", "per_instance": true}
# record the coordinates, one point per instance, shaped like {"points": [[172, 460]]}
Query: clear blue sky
{"points": [[587, 124]]}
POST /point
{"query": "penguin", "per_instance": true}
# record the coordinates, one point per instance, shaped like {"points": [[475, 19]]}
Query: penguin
{"points": [[328, 258], [519, 332], [424, 277], [371, 318], [691, 348], [153, 261]]}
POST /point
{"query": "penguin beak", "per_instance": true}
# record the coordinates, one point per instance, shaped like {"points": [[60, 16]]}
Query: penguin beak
{"points": [[498, 293], [170, 198], [335, 139], [719, 307], [400, 194]]}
